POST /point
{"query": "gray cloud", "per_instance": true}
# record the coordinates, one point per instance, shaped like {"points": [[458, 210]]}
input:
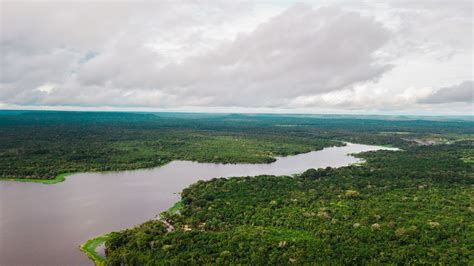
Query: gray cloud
{"points": [[302, 51], [463, 92], [52, 43], [186, 54]]}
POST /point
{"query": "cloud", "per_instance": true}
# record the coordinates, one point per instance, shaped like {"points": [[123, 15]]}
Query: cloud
{"points": [[232, 54], [463, 92], [302, 51], [90, 49]]}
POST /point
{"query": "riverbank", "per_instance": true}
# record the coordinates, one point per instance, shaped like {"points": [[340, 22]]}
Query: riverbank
{"points": [[129, 197], [388, 206], [91, 245], [58, 179], [62, 177], [175, 208], [90, 249]]}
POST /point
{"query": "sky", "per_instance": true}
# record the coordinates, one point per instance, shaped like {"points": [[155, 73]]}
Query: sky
{"points": [[361, 57]]}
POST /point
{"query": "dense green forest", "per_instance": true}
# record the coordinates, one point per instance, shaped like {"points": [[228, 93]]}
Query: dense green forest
{"points": [[44, 144], [413, 206], [401, 207]]}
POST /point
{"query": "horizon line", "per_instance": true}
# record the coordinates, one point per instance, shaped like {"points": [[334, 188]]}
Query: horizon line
{"points": [[232, 112]]}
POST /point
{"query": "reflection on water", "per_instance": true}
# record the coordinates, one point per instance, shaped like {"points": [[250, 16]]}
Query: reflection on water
{"points": [[45, 224]]}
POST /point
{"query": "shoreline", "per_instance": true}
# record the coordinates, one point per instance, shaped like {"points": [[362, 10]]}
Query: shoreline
{"points": [[57, 179], [90, 249], [90, 246], [62, 177]]}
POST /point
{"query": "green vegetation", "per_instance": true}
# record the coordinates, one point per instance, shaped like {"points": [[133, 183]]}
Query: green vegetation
{"points": [[59, 178], [44, 144], [408, 207], [89, 248], [175, 209], [401, 207]]}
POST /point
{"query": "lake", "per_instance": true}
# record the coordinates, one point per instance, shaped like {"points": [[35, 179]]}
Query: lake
{"points": [[45, 224]]}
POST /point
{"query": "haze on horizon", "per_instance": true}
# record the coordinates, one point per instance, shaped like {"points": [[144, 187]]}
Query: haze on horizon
{"points": [[274, 56]]}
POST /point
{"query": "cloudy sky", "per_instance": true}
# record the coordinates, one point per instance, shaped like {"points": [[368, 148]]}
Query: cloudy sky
{"points": [[410, 57]]}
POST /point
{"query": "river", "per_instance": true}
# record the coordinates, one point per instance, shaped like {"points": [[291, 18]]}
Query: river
{"points": [[45, 224]]}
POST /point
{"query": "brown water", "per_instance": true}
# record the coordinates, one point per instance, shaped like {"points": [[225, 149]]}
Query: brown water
{"points": [[45, 224]]}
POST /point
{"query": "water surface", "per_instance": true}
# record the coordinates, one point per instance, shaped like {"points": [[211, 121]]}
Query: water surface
{"points": [[45, 224]]}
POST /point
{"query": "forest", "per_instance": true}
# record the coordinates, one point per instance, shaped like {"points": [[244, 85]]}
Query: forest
{"points": [[411, 206], [400, 207], [45, 144]]}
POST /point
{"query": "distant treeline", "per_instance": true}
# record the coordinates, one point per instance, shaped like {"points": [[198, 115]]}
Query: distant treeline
{"points": [[43, 144]]}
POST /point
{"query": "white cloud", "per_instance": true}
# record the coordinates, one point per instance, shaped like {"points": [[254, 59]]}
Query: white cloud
{"points": [[362, 56], [47, 88]]}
